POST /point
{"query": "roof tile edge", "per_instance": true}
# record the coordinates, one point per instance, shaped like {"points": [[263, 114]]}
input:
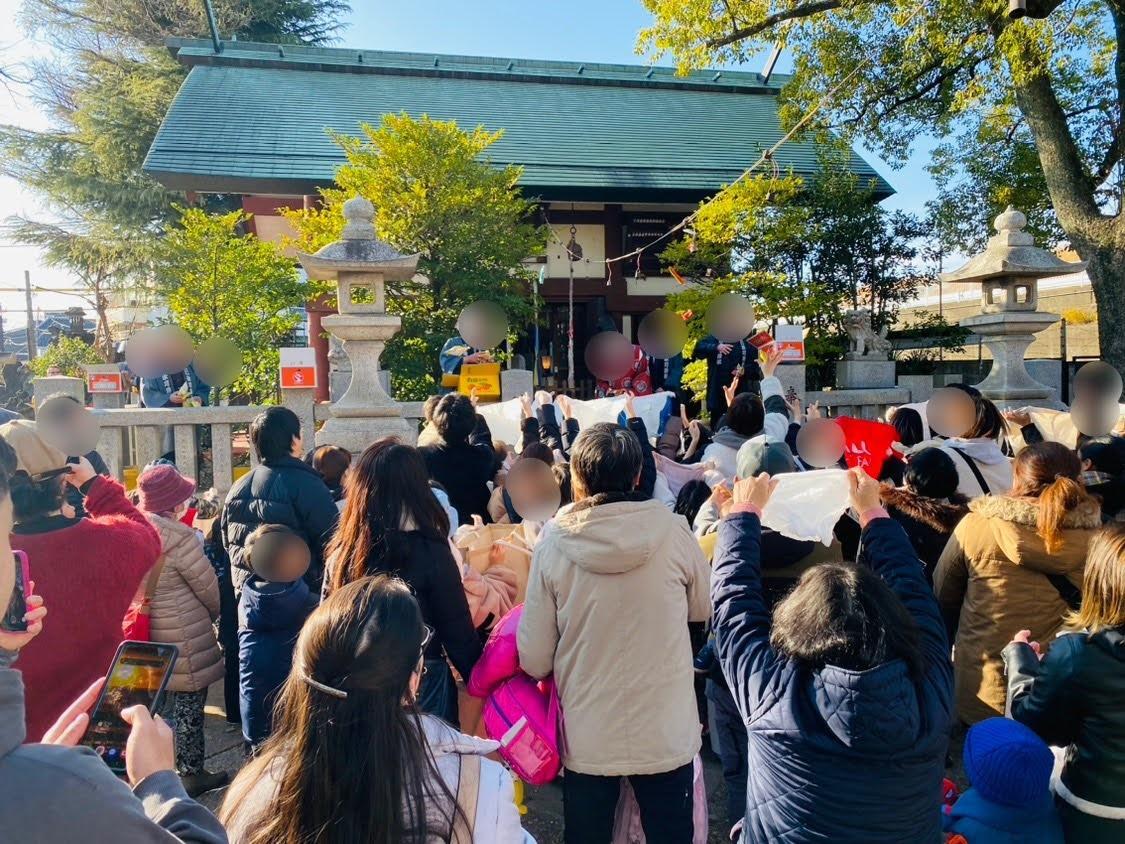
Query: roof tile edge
{"points": [[190, 52]]}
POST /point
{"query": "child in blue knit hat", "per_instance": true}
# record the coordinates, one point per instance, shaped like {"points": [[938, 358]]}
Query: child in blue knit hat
{"points": [[1010, 802]]}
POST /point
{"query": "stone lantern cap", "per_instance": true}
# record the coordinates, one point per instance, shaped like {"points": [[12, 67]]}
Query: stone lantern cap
{"points": [[1012, 253], [359, 250]]}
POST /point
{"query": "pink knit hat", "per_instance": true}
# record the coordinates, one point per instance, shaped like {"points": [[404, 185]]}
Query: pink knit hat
{"points": [[162, 489]]}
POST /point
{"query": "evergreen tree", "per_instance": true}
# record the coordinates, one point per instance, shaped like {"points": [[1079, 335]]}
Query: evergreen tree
{"points": [[105, 81], [435, 193]]}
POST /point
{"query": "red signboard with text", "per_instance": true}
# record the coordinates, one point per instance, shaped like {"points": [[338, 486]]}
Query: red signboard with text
{"points": [[298, 368], [105, 382]]}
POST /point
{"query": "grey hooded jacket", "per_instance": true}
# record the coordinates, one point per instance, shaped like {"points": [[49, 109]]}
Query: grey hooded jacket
{"points": [[59, 795]]}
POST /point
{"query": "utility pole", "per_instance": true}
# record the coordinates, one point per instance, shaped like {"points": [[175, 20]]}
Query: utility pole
{"points": [[32, 333]]}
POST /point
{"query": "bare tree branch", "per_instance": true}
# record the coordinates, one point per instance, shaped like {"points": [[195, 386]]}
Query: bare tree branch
{"points": [[797, 12], [1116, 147]]}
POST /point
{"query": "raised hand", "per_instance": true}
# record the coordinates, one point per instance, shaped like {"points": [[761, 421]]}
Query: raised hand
{"points": [[864, 491], [774, 356], [730, 392], [722, 498], [630, 408], [756, 491], [525, 405], [565, 406], [794, 406]]}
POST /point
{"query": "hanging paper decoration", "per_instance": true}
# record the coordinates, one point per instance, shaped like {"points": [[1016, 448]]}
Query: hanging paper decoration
{"points": [[679, 278], [542, 274]]}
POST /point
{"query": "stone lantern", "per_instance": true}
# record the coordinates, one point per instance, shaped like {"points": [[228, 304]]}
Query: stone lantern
{"points": [[1008, 271], [361, 264]]}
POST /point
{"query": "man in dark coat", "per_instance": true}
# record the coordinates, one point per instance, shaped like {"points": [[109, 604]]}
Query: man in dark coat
{"points": [[834, 754], [724, 361], [463, 461], [281, 490]]}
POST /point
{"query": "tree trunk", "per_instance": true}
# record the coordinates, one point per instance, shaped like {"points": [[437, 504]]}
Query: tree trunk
{"points": [[1106, 269]]}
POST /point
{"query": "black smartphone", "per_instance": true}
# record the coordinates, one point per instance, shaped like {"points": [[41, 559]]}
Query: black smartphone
{"points": [[137, 677], [17, 604]]}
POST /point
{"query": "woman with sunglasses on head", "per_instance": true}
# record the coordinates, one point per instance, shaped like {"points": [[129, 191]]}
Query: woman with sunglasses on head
{"points": [[393, 523], [352, 757]]}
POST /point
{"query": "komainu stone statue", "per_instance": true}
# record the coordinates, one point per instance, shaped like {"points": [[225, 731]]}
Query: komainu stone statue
{"points": [[865, 343]]}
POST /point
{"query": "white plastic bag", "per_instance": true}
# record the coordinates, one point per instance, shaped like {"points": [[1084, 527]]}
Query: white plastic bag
{"points": [[807, 505]]}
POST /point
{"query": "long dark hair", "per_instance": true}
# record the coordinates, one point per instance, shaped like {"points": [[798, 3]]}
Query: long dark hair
{"points": [[358, 767], [843, 614], [387, 488]]}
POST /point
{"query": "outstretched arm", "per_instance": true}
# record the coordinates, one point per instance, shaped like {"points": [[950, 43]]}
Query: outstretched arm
{"points": [[886, 549], [742, 622]]}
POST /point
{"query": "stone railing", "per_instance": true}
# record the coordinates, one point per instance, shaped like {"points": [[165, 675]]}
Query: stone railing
{"points": [[862, 404], [134, 436]]}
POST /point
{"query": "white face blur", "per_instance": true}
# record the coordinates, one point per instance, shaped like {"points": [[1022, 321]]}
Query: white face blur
{"points": [[7, 570]]}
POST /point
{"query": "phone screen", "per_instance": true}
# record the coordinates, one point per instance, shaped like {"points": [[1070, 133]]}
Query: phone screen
{"points": [[17, 604], [139, 673]]}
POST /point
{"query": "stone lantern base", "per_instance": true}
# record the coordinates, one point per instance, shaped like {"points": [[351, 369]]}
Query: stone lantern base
{"points": [[356, 433], [1007, 335]]}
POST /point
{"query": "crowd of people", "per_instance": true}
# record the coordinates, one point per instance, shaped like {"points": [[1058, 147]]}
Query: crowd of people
{"points": [[971, 595]]}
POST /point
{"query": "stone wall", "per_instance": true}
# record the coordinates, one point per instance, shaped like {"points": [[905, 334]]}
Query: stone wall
{"points": [[1081, 339]]}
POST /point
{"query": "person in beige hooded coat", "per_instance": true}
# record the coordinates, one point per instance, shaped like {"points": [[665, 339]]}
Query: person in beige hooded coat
{"points": [[615, 579], [184, 604], [1015, 562]]}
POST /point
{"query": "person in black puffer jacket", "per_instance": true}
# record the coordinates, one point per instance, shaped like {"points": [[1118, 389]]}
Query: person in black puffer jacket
{"points": [[1075, 697], [281, 490], [928, 507], [462, 460], [394, 524]]}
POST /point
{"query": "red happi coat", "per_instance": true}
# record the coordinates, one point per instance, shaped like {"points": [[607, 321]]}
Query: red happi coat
{"points": [[637, 380]]}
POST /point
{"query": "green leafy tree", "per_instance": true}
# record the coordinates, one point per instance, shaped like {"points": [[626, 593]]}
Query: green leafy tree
{"points": [[993, 88], [804, 251], [221, 282], [69, 354], [435, 193]]}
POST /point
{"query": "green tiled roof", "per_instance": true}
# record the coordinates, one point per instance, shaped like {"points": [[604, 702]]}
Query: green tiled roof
{"points": [[253, 119]]}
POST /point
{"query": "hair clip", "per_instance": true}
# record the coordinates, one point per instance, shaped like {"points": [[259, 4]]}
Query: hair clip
{"points": [[328, 690]]}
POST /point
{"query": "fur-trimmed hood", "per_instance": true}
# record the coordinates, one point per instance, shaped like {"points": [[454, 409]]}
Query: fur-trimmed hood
{"points": [[1008, 524], [1025, 511], [938, 514]]}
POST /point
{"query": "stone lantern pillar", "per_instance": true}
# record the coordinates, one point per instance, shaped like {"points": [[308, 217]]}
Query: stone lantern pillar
{"points": [[361, 264], [1008, 271]]}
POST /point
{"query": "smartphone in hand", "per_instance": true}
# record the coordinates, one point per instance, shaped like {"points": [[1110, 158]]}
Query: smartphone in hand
{"points": [[17, 605], [137, 677]]}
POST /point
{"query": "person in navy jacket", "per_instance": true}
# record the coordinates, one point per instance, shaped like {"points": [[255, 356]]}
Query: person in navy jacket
{"points": [[848, 699]]}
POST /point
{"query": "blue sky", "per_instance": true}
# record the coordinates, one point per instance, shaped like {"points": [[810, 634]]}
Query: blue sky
{"points": [[580, 30]]}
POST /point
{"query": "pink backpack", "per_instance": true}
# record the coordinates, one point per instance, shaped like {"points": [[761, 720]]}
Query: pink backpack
{"points": [[523, 716], [520, 713]]}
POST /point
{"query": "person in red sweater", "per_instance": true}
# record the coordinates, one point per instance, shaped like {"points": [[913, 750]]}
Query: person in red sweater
{"points": [[87, 570]]}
